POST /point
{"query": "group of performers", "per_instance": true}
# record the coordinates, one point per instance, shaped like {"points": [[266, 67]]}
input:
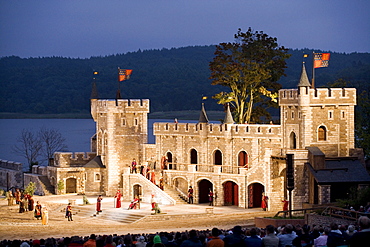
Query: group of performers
{"points": [[27, 204]]}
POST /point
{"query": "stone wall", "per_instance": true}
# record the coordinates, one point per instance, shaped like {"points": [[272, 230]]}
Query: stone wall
{"points": [[11, 174]]}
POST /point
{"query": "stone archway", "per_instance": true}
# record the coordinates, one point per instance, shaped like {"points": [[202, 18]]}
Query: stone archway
{"points": [[255, 195], [203, 187], [71, 185], [231, 193], [137, 191]]}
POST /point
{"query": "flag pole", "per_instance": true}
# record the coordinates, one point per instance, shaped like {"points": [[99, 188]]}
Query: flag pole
{"points": [[118, 94], [313, 70]]}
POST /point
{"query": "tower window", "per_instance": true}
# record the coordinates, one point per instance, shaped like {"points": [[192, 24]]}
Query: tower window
{"points": [[292, 114], [343, 115], [322, 133], [330, 115], [136, 122]]}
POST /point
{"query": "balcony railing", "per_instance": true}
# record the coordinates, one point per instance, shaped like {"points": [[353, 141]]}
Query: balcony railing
{"points": [[205, 168]]}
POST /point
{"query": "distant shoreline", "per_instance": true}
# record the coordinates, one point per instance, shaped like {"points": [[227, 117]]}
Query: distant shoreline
{"points": [[180, 115]]}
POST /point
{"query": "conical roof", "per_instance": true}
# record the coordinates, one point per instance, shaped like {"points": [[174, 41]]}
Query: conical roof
{"points": [[228, 117], [203, 115], [94, 91], [304, 82]]}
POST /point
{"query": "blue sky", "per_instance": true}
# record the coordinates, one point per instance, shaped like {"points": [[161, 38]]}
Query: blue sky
{"points": [[84, 28]]}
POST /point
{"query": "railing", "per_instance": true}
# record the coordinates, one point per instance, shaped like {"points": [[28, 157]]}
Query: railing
{"points": [[331, 211], [204, 168]]}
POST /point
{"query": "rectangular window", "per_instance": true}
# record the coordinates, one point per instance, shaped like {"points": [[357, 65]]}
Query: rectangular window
{"points": [[292, 114], [330, 115], [343, 114]]}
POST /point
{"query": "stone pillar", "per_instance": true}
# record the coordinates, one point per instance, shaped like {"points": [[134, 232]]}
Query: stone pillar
{"points": [[324, 194]]}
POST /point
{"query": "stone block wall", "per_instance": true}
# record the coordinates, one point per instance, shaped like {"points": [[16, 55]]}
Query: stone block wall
{"points": [[11, 174]]}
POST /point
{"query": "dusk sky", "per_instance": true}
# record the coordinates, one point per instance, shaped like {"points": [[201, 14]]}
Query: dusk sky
{"points": [[84, 28]]}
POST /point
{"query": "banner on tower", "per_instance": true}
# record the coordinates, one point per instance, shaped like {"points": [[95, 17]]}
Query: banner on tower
{"points": [[321, 60], [124, 74]]}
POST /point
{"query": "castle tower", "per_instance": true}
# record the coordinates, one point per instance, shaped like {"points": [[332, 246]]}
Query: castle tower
{"points": [[121, 132], [322, 117]]}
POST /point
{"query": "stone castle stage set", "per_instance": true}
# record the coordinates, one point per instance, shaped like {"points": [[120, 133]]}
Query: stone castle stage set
{"points": [[238, 162]]}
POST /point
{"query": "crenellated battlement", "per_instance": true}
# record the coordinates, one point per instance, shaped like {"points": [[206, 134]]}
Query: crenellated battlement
{"points": [[128, 104], [11, 165], [72, 158], [241, 130], [336, 96]]}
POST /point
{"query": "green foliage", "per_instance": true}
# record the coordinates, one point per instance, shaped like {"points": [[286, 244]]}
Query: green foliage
{"points": [[30, 189], [173, 79], [60, 186], [357, 198], [85, 201], [250, 67]]}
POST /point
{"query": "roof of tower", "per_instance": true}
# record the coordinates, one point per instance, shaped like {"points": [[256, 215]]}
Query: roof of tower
{"points": [[94, 91], [203, 115], [228, 117], [95, 163], [304, 82]]}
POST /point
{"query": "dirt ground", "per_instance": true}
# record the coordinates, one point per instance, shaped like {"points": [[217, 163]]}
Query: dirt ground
{"points": [[15, 225]]}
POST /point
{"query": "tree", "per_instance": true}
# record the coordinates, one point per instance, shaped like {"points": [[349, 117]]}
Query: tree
{"points": [[29, 147], [250, 67], [30, 189], [53, 141], [60, 186]]}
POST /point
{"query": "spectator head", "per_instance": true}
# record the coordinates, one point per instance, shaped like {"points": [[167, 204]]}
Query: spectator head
{"points": [[215, 232], [157, 239], [270, 229], [364, 222], [237, 230], [326, 230], [192, 234], [253, 231], [92, 236], [288, 228], [334, 226]]}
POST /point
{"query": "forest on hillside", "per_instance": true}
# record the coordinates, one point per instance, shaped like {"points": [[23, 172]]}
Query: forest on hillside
{"points": [[173, 79]]}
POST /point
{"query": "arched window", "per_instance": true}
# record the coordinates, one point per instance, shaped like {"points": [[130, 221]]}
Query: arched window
{"points": [[243, 159], [322, 133], [97, 177], [217, 157], [193, 156], [293, 141]]}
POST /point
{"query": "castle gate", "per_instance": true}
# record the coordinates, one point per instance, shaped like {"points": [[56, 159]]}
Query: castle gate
{"points": [[71, 185], [255, 195], [203, 187], [231, 193]]}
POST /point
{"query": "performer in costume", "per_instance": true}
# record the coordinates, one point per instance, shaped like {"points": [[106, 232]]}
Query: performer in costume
{"points": [[45, 216], [98, 204], [69, 212], [38, 208], [152, 201], [17, 195], [30, 203], [190, 195], [210, 197], [264, 204], [134, 203], [285, 206], [133, 166], [117, 199]]}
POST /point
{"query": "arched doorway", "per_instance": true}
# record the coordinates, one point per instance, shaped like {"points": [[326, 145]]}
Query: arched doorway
{"points": [[137, 191], [321, 133], [255, 195], [243, 159], [293, 141], [169, 160], [193, 156], [71, 185], [231, 193], [217, 158], [203, 187]]}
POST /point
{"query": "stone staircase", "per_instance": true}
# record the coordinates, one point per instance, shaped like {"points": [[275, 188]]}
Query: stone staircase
{"points": [[46, 185], [180, 199], [117, 215]]}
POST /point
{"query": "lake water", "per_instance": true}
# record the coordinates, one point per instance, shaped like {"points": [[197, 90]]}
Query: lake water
{"points": [[77, 133]]}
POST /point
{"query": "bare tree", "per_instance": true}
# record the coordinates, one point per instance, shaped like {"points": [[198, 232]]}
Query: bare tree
{"points": [[53, 141], [29, 146]]}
